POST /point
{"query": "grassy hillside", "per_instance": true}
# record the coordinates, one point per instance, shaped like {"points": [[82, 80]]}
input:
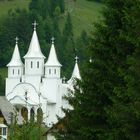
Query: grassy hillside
{"points": [[5, 6], [83, 14]]}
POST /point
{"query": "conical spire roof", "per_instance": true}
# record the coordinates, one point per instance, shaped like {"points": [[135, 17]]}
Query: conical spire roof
{"points": [[76, 72], [16, 60], [52, 59], [34, 50]]}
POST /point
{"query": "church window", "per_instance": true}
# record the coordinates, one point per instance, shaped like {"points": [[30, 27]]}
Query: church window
{"points": [[31, 64], [54, 71], [4, 131], [18, 72], [37, 64], [49, 71], [32, 115], [39, 115]]}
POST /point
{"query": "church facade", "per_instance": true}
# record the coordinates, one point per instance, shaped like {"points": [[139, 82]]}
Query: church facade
{"points": [[37, 85]]}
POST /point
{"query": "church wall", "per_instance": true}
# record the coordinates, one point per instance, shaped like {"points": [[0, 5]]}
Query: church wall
{"points": [[50, 88], [10, 84], [33, 80], [34, 66], [15, 72], [52, 72], [50, 137], [52, 116]]}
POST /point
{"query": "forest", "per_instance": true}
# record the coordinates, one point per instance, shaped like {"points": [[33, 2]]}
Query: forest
{"points": [[106, 101]]}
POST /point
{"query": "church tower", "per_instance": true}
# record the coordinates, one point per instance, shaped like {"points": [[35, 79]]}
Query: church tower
{"points": [[34, 59], [75, 73], [52, 66], [15, 70], [15, 66]]}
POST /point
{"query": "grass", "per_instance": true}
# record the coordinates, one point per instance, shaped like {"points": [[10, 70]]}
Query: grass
{"points": [[83, 14], [5, 5]]}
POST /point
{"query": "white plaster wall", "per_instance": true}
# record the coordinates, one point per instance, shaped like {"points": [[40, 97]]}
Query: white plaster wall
{"points": [[51, 111], [52, 72], [50, 137], [34, 70], [50, 88], [33, 80], [15, 72], [10, 84]]}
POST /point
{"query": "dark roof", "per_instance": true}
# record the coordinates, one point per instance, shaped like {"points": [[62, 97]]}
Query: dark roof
{"points": [[6, 108]]}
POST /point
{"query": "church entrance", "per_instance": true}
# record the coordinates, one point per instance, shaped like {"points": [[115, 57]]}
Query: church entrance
{"points": [[39, 115], [24, 113]]}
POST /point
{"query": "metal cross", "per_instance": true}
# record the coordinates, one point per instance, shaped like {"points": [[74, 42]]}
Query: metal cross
{"points": [[64, 79], [35, 24], [16, 40], [76, 59], [52, 40]]}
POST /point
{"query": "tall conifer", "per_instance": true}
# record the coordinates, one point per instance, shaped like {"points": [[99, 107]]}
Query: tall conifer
{"points": [[101, 100]]}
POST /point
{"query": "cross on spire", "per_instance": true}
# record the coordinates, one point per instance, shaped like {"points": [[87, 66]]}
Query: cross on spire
{"points": [[64, 79], [52, 39], [16, 40], [35, 24], [76, 59]]}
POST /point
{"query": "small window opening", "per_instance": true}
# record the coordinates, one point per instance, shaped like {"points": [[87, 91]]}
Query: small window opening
{"points": [[37, 64], [18, 72], [13, 71], [54, 71], [49, 71], [31, 64], [4, 131]]}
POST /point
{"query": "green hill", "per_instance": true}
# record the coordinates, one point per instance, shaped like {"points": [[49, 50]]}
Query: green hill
{"points": [[5, 5], [83, 12]]}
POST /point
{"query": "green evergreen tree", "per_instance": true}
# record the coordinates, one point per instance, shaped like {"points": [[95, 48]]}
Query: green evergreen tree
{"points": [[103, 106], [127, 102]]}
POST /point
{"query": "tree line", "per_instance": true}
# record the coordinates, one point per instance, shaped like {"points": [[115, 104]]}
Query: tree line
{"points": [[106, 101]]}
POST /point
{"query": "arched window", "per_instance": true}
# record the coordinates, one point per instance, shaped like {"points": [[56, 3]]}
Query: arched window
{"points": [[24, 113], [39, 115], [32, 115], [37, 64], [31, 64]]}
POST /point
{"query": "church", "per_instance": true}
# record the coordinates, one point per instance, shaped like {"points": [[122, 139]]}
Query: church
{"points": [[35, 85]]}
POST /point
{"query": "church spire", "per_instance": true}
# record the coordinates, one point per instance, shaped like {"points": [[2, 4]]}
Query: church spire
{"points": [[76, 72], [16, 60], [52, 59], [34, 50]]}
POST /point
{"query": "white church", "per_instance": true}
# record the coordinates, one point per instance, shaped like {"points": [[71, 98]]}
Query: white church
{"points": [[37, 85]]}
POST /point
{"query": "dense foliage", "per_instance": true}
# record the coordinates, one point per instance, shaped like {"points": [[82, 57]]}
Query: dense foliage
{"points": [[106, 102]]}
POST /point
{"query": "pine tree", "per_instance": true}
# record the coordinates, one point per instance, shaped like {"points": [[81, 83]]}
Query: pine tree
{"points": [[101, 100], [127, 103]]}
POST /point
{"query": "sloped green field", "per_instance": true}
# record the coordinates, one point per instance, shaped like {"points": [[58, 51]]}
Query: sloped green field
{"points": [[5, 6]]}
